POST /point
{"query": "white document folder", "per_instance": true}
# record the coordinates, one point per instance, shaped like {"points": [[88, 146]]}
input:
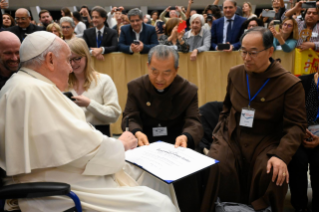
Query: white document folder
{"points": [[168, 163]]}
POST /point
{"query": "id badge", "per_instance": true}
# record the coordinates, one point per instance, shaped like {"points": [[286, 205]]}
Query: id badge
{"points": [[314, 129], [314, 34], [159, 131], [247, 117]]}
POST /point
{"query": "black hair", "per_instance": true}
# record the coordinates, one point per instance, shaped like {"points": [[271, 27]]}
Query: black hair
{"points": [[77, 16], [246, 23]]}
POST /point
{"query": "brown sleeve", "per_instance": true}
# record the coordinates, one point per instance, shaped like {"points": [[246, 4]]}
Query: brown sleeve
{"points": [[192, 124], [227, 103], [131, 110], [294, 123]]}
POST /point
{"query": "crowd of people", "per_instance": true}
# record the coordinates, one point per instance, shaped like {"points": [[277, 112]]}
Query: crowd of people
{"points": [[265, 136]]}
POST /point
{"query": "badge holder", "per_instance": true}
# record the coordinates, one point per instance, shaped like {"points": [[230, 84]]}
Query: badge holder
{"points": [[159, 131], [247, 117]]}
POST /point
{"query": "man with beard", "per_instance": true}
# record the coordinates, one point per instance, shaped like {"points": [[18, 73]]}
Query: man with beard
{"points": [[45, 18], [308, 28], [9, 56]]}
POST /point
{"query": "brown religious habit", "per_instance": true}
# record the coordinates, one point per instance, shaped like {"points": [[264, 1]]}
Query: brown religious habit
{"points": [[278, 129]]}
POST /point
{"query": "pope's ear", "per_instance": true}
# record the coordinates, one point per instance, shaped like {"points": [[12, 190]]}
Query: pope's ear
{"points": [[49, 61]]}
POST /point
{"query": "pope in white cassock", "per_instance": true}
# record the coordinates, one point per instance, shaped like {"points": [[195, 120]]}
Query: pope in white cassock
{"points": [[44, 137]]}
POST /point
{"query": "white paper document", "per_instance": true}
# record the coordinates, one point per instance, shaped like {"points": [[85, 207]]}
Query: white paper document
{"points": [[166, 162]]}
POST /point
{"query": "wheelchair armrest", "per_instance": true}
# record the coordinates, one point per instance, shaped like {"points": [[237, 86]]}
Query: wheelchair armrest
{"points": [[33, 190]]}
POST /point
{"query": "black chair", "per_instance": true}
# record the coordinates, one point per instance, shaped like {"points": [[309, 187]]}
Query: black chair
{"points": [[35, 190], [209, 119]]}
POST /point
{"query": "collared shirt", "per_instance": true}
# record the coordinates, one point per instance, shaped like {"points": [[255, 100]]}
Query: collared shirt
{"points": [[97, 33], [201, 41], [137, 36], [226, 25], [301, 26]]}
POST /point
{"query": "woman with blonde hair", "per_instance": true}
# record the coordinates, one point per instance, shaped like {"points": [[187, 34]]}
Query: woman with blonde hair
{"points": [[55, 29], [288, 35], [248, 10], [94, 92]]}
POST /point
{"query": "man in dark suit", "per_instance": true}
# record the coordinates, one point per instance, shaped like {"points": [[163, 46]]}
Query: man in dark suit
{"points": [[144, 35], [23, 19], [228, 28], [100, 39]]}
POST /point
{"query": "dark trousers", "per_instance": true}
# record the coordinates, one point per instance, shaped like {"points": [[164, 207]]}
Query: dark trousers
{"points": [[298, 181]]}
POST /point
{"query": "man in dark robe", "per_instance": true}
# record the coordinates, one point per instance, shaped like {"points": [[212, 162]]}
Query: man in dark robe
{"points": [[164, 106], [24, 26], [9, 56], [260, 128]]}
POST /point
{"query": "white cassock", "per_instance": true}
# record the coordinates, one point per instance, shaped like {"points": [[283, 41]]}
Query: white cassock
{"points": [[45, 137]]}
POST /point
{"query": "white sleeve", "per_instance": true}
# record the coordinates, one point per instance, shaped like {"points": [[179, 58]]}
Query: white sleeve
{"points": [[110, 110], [80, 29]]}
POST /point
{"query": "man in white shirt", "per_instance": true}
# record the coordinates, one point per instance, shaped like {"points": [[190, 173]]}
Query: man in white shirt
{"points": [[44, 137]]}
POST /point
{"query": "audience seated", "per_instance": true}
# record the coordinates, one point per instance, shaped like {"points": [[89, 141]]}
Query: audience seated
{"points": [[143, 33], [197, 38], [307, 154], [79, 25], [9, 56], [45, 18], [174, 12], [228, 28], [60, 146], [308, 29], [100, 39], [286, 38], [8, 21], [254, 152], [247, 10], [24, 26], [67, 25], [95, 93], [173, 38], [55, 29]]}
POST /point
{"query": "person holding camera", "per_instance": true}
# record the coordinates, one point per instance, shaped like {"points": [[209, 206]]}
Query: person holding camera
{"points": [[308, 28], [197, 38], [85, 13], [137, 37], [172, 37], [173, 13], [286, 38], [210, 14]]}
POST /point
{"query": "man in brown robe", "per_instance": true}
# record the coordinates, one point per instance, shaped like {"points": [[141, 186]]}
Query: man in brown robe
{"points": [[253, 160], [164, 106]]}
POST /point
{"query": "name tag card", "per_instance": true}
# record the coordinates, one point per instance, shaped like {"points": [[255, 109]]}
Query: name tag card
{"points": [[247, 117], [159, 131], [314, 34], [314, 129]]}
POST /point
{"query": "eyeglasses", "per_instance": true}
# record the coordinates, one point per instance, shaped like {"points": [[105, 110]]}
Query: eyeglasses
{"points": [[252, 54], [22, 19], [76, 59], [287, 25], [66, 27]]}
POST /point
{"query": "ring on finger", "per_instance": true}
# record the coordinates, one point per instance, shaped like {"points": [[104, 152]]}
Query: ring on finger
{"points": [[284, 174]]}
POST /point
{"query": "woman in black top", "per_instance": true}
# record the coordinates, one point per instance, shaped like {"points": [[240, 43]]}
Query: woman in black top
{"points": [[308, 152]]}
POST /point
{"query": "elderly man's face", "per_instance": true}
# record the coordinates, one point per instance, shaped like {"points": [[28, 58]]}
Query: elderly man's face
{"points": [[9, 55], [62, 66], [254, 54], [136, 23], [162, 72], [196, 25], [229, 9], [46, 19], [67, 29], [311, 16], [22, 19]]}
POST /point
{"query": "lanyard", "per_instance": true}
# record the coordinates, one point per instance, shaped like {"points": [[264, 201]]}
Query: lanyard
{"points": [[318, 98], [251, 99]]}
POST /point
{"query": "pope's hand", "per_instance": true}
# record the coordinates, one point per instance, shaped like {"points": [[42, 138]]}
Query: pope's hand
{"points": [[128, 139], [142, 138], [279, 169], [181, 141], [82, 101]]}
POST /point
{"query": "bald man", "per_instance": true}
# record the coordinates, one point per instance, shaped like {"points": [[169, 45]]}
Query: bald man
{"points": [[9, 56], [24, 26]]}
